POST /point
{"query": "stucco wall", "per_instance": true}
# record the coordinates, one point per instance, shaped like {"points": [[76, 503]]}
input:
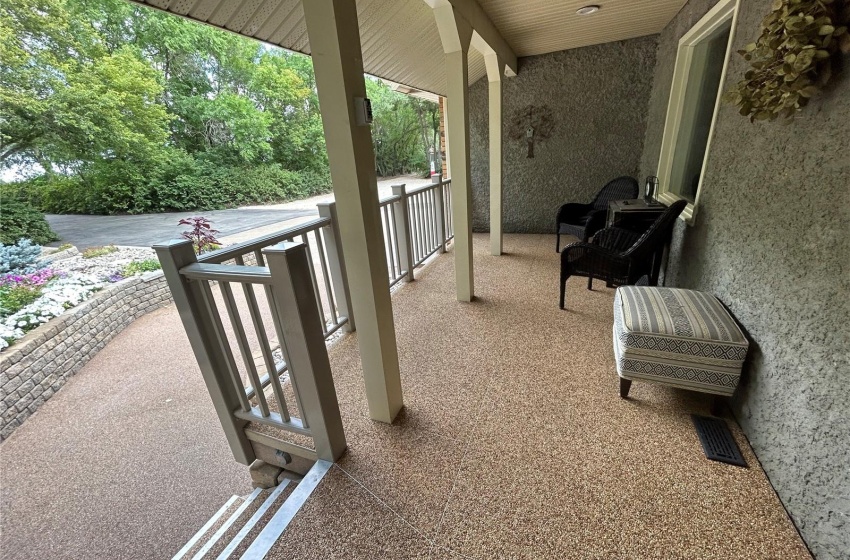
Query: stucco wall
{"points": [[598, 96], [772, 240]]}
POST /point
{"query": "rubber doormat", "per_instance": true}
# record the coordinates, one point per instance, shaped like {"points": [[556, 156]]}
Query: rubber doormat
{"points": [[717, 441]]}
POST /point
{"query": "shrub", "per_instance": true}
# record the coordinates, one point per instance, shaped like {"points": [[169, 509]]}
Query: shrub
{"points": [[19, 257], [94, 252], [14, 298], [64, 247], [181, 183], [139, 267], [19, 220]]}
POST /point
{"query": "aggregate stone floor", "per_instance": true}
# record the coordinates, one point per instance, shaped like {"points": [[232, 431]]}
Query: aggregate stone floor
{"points": [[126, 461], [514, 442]]}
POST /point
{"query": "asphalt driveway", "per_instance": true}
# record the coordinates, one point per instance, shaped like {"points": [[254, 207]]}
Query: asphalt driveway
{"points": [[143, 230]]}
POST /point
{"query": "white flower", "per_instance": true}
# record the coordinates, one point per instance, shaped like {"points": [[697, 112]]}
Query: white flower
{"points": [[56, 297]]}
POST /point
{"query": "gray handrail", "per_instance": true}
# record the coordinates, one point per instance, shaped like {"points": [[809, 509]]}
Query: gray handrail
{"points": [[251, 245]]}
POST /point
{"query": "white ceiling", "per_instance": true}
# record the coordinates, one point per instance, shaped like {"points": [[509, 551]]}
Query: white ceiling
{"points": [[400, 38]]}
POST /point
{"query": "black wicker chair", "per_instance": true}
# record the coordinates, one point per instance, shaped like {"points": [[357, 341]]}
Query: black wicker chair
{"points": [[583, 220], [619, 256]]}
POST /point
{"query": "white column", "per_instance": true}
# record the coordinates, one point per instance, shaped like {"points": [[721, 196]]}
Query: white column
{"points": [[456, 34], [338, 64], [495, 71]]}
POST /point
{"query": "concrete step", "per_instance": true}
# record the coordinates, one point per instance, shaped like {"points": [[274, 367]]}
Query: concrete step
{"points": [[210, 527], [243, 539], [248, 527], [231, 526]]}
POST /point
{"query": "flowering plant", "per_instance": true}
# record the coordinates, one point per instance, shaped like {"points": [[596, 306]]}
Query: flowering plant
{"points": [[58, 295], [37, 278]]}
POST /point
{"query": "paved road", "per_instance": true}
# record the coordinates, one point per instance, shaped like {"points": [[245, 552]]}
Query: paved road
{"points": [[143, 230]]}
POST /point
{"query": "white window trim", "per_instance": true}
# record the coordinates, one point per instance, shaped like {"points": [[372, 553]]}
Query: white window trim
{"points": [[718, 16]]}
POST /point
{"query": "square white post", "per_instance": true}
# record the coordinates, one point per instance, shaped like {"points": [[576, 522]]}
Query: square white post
{"points": [[456, 34], [495, 71], [334, 36], [295, 302], [336, 263], [401, 216]]}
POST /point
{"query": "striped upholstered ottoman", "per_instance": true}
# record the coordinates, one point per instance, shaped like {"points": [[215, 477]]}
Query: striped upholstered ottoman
{"points": [[680, 338]]}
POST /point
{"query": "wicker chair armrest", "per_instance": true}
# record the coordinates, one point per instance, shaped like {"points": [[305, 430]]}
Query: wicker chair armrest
{"points": [[615, 239], [582, 249], [572, 211], [596, 222]]}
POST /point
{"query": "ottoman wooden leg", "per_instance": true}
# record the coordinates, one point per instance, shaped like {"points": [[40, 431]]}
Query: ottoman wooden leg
{"points": [[625, 385], [718, 403]]}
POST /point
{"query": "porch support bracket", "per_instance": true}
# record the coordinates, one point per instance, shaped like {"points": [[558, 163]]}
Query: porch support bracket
{"points": [[485, 32], [334, 36]]}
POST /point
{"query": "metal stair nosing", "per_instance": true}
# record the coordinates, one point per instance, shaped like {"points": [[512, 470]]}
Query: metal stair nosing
{"points": [[251, 523], [227, 524], [203, 530], [277, 524]]}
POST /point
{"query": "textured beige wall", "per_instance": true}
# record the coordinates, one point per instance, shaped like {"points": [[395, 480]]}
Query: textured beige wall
{"points": [[598, 96], [772, 240]]}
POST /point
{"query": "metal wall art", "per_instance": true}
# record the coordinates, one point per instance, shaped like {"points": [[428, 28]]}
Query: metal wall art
{"points": [[534, 123]]}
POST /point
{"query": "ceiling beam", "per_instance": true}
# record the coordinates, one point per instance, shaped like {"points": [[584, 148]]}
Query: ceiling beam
{"points": [[487, 33]]}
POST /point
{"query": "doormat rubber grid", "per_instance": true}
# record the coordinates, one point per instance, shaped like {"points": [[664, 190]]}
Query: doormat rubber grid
{"points": [[717, 441]]}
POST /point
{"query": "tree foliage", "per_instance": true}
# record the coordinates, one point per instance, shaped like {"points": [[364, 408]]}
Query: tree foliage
{"points": [[111, 107], [404, 128]]}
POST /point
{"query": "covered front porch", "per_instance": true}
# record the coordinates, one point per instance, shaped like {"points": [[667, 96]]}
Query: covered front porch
{"points": [[513, 442]]}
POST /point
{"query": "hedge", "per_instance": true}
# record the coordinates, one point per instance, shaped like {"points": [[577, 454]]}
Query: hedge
{"points": [[182, 186]]}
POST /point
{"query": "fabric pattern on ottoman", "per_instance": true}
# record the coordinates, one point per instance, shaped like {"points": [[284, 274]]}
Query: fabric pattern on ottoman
{"points": [[681, 338]]}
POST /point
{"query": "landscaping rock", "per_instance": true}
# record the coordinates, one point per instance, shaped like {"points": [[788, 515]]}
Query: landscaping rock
{"points": [[106, 265]]}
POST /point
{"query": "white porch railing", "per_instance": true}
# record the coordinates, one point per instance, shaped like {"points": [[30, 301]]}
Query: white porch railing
{"points": [[417, 224], [257, 315]]}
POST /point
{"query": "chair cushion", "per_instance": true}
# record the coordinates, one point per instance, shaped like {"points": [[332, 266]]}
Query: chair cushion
{"points": [[677, 337]]}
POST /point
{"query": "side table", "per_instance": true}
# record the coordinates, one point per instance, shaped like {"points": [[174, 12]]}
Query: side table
{"points": [[635, 215]]}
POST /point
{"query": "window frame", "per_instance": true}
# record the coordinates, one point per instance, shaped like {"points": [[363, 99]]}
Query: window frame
{"points": [[722, 13]]}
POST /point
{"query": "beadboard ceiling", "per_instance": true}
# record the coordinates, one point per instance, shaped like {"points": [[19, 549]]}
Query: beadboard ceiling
{"points": [[542, 26], [400, 38]]}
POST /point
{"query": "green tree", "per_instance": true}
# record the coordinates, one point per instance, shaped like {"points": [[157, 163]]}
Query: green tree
{"points": [[403, 130], [65, 99], [113, 107]]}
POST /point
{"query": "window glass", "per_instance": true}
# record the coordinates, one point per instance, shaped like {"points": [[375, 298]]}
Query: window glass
{"points": [[700, 99]]}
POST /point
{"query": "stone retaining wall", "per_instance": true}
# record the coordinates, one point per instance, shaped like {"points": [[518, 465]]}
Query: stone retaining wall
{"points": [[36, 366]]}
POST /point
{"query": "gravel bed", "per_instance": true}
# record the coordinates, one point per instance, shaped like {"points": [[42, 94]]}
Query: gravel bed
{"points": [[106, 265]]}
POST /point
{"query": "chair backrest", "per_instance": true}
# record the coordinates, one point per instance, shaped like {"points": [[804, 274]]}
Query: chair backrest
{"points": [[621, 188], [657, 233]]}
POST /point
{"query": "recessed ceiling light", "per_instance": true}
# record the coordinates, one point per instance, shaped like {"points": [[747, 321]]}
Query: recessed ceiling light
{"points": [[587, 10]]}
